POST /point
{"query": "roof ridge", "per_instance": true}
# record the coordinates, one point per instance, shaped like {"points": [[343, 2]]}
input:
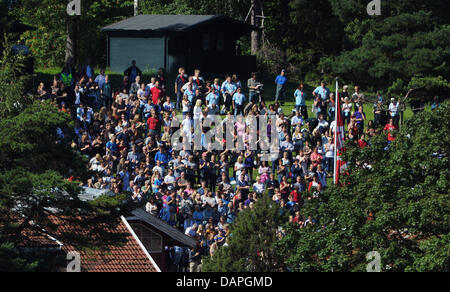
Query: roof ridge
{"points": [[140, 243]]}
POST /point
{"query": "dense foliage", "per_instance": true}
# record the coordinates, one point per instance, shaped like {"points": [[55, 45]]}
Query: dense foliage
{"points": [[405, 48], [250, 245], [407, 43], [48, 17], [36, 162], [394, 201]]}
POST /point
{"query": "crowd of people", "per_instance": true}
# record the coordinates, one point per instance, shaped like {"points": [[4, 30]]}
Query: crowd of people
{"points": [[125, 130]]}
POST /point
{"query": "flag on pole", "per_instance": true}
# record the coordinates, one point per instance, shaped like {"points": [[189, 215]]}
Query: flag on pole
{"points": [[339, 136]]}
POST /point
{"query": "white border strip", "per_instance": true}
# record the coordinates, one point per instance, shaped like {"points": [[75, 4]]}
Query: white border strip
{"points": [[140, 243]]}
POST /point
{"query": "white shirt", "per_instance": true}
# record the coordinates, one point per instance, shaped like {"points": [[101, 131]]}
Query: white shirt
{"points": [[393, 108], [169, 179], [259, 188], [197, 112], [347, 107], [186, 123]]}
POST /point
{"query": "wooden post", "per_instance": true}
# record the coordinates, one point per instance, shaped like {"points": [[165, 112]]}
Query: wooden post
{"points": [[256, 34]]}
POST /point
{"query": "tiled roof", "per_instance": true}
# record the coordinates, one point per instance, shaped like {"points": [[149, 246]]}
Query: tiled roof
{"points": [[130, 256], [126, 254]]}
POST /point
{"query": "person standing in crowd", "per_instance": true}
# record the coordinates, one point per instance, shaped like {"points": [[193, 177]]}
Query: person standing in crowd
{"points": [[238, 102], [378, 114], [323, 93], [360, 118], [391, 129], [394, 111], [358, 98], [180, 81], [347, 110], [344, 93], [100, 79], [281, 82], [106, 92], [300, 101], [254, 89], [228, 90], [132, 72]]}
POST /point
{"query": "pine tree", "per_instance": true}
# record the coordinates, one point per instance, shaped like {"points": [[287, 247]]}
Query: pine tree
{"points": [[250, 245], [393, 200]]}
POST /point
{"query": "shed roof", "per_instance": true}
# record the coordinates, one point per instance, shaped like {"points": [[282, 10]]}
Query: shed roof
{"points": [[142, 215], [124, 252], [171, 23]]}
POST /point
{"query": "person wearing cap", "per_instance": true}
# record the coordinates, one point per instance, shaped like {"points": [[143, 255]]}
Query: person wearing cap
{"points": [[281, 81], [344, 93], [394, 111], [347, 109]]}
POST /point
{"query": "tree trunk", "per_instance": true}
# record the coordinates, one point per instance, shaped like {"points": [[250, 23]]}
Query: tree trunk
{"points": [[71, 41], [256, 34], [136, 7]]}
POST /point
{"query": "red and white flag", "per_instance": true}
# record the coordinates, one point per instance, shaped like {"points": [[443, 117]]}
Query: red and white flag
{"points": [[339, 137]]}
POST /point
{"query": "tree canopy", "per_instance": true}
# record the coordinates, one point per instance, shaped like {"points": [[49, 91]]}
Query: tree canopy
{"points": [[38, 174], [408, 42], [394, 201], [250, 247]]}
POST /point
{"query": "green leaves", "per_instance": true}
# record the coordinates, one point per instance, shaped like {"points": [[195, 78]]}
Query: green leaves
{"points": [[407, 42], [406, 189], [251, 243]]}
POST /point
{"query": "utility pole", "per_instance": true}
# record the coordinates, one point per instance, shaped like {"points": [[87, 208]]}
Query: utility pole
{"points": [[255, 16], [136, 6], [71, 39]]}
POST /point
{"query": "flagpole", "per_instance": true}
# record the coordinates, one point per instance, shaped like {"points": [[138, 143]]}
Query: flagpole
{"points": [[336, 110]]}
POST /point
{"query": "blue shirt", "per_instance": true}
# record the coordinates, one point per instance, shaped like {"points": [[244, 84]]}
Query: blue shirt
{"points": [[100, 80], [190, 94], [281, 80], [161, 157], [212, 98], [239, 98], [323, 92], [228, 87], [300, 98], [112, 146]]}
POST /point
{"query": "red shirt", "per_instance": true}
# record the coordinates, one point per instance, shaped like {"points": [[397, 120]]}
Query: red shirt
{"points": [[362, 143], [152, 123], [156, 94], [316, 158], [295, 196], [388, 128]]}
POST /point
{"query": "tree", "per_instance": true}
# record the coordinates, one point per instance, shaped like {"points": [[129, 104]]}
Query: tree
{"points": [[394, 200], [407, 43], [36, 162], [250, 245], [13, 82], [81, 35]]}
